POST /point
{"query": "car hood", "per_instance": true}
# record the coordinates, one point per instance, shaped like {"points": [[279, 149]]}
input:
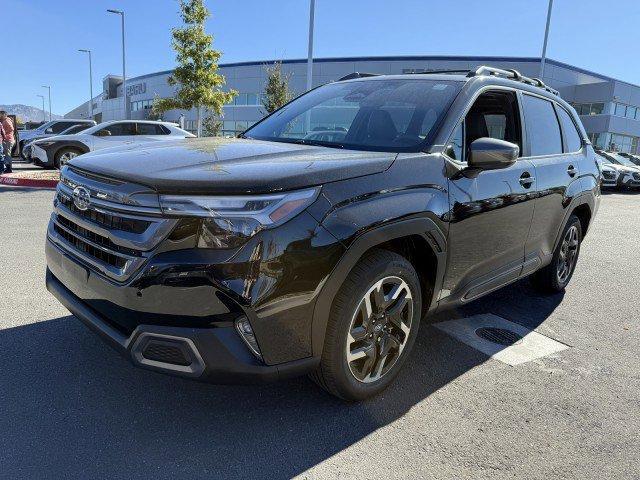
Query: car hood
{"points": [[230, 165], [623, 168]]}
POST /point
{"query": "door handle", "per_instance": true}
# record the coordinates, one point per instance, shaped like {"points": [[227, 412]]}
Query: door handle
{"points": [[526, 180], [571, 170]]}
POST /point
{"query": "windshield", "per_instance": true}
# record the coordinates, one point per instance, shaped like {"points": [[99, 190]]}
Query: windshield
{"points": [[392, 115]]}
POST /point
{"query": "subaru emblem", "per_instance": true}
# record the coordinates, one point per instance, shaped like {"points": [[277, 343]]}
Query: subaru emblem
{"points": [[81, 198]]}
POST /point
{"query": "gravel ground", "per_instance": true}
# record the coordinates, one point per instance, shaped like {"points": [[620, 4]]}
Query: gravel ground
{"points": [[72, 408]]}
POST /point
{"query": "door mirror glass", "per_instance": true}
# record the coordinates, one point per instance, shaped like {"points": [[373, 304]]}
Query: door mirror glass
{"points": [[103, 133], [49, 130], [491, 153]]}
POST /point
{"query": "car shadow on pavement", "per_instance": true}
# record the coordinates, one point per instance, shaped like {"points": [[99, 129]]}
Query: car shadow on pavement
{"points": [[73, 408]]}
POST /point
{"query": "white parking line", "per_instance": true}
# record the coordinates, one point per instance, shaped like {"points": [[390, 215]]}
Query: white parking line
{"points": [[533, 345]]}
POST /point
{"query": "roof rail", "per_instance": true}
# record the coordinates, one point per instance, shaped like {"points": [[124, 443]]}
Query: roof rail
{"points": [[353, 75], [429, 72], [513, 75]]}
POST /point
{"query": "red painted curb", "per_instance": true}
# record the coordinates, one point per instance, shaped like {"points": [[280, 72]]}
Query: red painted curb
{"points": [[27, 182]]}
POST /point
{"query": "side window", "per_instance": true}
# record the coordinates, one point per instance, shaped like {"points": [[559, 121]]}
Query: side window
{"points": [[121, 129], [572, 138], [60, 126], [494, 114], [150, 129], [543, 129]]}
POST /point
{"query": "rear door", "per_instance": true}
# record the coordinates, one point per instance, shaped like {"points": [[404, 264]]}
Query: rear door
{"points": [[150, 131], [556, 154]]}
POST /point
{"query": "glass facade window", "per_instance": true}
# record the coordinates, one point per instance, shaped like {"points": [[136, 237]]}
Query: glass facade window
{"points": [[614, 142], [627, 111], [247, 99], [589, 108], [141, 105]]}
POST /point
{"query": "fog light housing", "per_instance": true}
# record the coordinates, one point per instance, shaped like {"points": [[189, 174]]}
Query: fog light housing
{"points": [[246, 333]]}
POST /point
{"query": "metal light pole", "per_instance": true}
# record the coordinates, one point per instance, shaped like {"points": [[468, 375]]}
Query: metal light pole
{"points": [[90, 82], [124, 75], [312, 8], [49, 88], [44, 113], [546, 37]]}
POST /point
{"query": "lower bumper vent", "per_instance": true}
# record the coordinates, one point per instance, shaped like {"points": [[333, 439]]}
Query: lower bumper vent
{"points": [[165, 352]]}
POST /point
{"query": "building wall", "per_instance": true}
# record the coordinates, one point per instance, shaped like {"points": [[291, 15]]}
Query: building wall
{"points": [[575, 85]]}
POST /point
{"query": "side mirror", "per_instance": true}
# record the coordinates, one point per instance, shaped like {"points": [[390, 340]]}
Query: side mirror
{"points": [[49, 130], [103, 133], [491, 154]]}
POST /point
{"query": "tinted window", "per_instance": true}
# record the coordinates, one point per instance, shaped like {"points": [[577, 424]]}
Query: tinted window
{"points": [[150, 129], [571, 135], [121, 129], [543, 130], [381, 115]]}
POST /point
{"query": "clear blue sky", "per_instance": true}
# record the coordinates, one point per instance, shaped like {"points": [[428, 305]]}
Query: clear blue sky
{"points": [[598, 35]]}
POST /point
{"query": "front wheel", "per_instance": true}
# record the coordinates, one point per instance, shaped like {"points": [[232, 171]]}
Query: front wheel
{"points": [[65, 155], [556, 276], [372, 327]]}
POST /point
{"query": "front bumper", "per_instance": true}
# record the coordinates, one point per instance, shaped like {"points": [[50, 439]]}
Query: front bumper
{"points": [[38, 155], [630, 180], [216, 355]]}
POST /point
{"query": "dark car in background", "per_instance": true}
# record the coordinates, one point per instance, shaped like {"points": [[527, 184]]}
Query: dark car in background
{"points": [[277, 254], [27, 150], [49, 129]]}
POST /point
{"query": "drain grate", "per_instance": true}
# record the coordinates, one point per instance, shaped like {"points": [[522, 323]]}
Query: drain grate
{"points": [[501, 336]]}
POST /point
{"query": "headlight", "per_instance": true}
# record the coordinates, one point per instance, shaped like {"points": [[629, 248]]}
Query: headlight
{"points": [[230, 221]]}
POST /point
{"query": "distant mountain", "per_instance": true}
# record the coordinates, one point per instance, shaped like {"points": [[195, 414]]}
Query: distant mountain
{"points": [[27, 113]]}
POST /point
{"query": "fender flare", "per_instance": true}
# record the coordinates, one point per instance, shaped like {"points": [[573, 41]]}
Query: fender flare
{"points": [[585, 198], [67, 143], [424, 227]]}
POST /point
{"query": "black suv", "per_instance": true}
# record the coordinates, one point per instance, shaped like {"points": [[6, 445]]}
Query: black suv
{"points": [[278, 254]]}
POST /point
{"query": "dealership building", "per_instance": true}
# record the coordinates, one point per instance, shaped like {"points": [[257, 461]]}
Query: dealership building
{"points": [[609, 108]]}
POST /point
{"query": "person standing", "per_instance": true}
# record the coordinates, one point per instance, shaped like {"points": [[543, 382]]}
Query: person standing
{"points": [[8, 139]]}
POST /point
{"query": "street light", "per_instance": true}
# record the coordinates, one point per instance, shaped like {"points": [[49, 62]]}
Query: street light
{"points": [[546, 37], [312, 8], [44, 113], [48, 87], [124, 75], [90, 82]]}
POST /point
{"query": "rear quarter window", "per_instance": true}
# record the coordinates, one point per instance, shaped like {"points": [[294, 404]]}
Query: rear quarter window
{"points": [[573, 139]]}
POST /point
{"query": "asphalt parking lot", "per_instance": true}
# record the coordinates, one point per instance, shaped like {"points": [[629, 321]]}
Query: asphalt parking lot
{"points": [[72, 408]]}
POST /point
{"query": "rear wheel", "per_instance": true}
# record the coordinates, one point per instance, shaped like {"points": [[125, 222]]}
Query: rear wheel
{"points": [[556, 276], [64, 155], [372, 327]]}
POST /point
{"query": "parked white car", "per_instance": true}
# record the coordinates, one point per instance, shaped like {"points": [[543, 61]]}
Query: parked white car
{"points": [[628, 172], [56, 151]]}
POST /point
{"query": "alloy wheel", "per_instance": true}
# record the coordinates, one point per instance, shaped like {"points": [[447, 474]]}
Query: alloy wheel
{"points": [[379, 329], [568, 254], [66, 157]]}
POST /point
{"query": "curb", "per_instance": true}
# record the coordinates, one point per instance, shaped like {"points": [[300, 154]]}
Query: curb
{"points": [[27, 182]]}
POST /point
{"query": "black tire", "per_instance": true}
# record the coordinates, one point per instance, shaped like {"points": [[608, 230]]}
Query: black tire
{"points": [[335, 373], [549, 279], [64, 151]]}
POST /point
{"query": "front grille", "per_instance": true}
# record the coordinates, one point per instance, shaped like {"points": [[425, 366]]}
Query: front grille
{"points": [[94, 237], [105, 220], [636, 176], [88, 249]]}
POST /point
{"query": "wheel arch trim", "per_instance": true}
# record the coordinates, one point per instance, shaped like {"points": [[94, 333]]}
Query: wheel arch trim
{"points": [[424, 227]]}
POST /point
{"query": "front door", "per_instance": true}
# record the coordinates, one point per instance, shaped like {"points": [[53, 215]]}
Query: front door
{"points": [[491, 211]]}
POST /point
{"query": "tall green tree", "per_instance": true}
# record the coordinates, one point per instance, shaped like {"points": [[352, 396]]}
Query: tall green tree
{"points": [[276, 91], [196, 76]]}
